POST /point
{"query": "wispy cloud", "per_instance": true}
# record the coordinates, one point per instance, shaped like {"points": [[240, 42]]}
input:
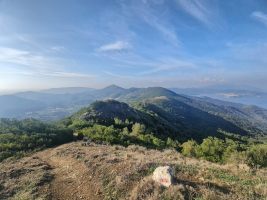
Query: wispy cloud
{"points": [[115, 47], [26, 58], [196, 80], [58, 74], [249, 52], [29, 64], [169, 64], [260, 16], [58, 48], [167, 32], [63, 74], [199, 9], [145, 66], [146, 12]]}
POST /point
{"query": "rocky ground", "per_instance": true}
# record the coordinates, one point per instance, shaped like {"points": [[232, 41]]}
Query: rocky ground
{"points": [[97, 172]]}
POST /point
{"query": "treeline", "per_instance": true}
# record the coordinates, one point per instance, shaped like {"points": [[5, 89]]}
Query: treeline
{"points": [[227, 151], [121, 132], [20, 137], [237, 149]]}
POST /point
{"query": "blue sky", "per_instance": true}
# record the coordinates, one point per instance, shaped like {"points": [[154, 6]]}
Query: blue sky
{"points": [[169, 43]]}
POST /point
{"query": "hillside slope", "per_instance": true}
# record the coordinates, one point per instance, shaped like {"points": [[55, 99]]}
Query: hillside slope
{"points": [[73, 171], [163, 117], [181, 109]]}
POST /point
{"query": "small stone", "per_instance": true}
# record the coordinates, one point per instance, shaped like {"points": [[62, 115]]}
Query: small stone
{"points": [[163, 175], [119, 180]]}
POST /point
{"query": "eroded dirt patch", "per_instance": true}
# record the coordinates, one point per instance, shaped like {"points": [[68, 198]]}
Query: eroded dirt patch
{"points": [[71, 177]]}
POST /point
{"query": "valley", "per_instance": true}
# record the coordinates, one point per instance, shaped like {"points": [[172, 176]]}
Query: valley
{"points": [[108, 147], [133, 100]]}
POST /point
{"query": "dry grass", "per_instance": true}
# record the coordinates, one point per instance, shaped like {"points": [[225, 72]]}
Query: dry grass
{"points": [[116, 172], [25, 179]]}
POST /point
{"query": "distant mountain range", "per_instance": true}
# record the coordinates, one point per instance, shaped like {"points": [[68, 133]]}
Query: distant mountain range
{"points": [[248, 96], [188, 114]]}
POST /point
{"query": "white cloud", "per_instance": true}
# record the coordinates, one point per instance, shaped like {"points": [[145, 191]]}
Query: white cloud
{"points": [[58, 48], [198, 9], [27, 59], [116, 46], [260, 16], [59, 74], [22, 62], [69, 75], [10, 54]]}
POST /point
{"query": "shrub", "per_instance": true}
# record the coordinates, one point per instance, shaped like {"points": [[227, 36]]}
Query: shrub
{"points": [[231, 148], [138, 128], [257, 155], [172, 143], [212, 149], [189, 148], [103, 133]]}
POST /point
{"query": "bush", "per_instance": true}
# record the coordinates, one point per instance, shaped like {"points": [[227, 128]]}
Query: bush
{"points": [[231, 148], [78, 124], [211, 149], [189, 148], [257, 156], [103, 133], [138, 128], [172, 143]]}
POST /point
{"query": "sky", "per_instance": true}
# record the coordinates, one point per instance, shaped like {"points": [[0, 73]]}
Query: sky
{"points": [[132, 43]]}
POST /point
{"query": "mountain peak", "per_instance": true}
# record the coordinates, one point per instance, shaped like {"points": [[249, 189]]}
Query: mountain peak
{"points": [[105, 111], [159, 91], [113, 86]]}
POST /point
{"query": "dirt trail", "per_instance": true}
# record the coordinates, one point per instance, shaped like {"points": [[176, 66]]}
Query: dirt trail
{"points": [[70, 177], [96, 172]]}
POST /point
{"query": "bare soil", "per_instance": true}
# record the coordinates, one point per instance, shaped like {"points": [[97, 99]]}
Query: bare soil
{"points": [[70, 177]]}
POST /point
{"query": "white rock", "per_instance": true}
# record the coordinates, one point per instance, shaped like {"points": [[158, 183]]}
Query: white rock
{"points": [[163, 175]]}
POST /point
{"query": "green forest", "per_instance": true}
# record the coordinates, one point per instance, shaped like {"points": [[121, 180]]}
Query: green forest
{"points": [[113, 122], [237, 149], [17, 138]]}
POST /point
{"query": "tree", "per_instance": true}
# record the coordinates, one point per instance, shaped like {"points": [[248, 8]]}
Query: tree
{"points": [[257, 156], [172, 143], [211, 149], [117, 121], [127, 122], [158, 142], [19, 137], [125, 131], [231, 148], [189, 148], [138, 128]]}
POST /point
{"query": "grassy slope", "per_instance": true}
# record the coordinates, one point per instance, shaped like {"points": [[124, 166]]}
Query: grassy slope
{"points": [[115, 172]]}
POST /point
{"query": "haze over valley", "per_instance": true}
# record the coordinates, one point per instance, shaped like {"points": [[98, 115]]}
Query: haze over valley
{"points": [[133, 100]]}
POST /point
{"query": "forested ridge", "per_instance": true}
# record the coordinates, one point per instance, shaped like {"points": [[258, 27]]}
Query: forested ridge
{"points": [[152, 117], [18, 138]]}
